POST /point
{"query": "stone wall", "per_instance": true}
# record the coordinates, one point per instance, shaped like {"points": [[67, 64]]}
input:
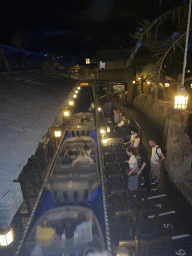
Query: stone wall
{"points": [[178, 159], [154, 108]]}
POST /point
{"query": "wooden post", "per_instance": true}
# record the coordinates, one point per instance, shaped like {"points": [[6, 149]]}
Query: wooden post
{"points": [[141, 84]]}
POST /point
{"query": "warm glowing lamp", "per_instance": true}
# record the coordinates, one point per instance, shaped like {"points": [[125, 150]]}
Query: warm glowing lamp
{"points": [[108, 129], [167, 85], [181, 99], [102, 131], [191, 85], [87, 61], [78, 87], [66, 113], [57, 134], [139, 78], [133, 81], [74, 96], [148, 82], [99, 109], [76, 91], [71, 102], [104, 140], [6, 237]]}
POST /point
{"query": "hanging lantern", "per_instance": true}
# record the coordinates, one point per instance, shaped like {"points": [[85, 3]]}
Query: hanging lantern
{"points": [[133, 81], [181, 99], [191, 85], [6, 237], [167, 85], [57, 133], [148, 82]]}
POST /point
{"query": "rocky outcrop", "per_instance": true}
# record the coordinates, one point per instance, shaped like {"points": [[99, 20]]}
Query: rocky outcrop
{"points": [[178, 159]]}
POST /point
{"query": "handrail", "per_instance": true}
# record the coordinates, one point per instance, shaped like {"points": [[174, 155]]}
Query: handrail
{"points": [[102, 175]]}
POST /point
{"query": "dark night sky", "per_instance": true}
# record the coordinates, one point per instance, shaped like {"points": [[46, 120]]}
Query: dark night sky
{"points": [[75, 25]]}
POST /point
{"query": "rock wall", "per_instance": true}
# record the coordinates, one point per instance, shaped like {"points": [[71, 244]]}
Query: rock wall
{"points": [[178, 159], [154, 108]]}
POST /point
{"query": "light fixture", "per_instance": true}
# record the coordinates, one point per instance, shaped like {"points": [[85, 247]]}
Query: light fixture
{"points": [[84, 84], [74, 96], [104, 140], [71, 102], [133, 81], [99, 109], [76, 91], [148, 82], [78, 87], [166, 85], [57, 133], [66, 113], [181, 97], [6, 237], [139, 78], [87, 61], [108, 129], [191, 85], [102, 131]]}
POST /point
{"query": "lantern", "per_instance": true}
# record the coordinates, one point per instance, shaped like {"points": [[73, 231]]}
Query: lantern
{"points": [[6, 237], [181, 99], [167, 85]]}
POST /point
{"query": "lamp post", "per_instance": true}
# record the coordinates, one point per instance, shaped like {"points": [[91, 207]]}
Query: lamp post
{"points": [[181, 97]]}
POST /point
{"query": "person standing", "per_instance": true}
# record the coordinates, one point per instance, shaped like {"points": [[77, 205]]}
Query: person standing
{"points": [[135, 139], [144, 168], [156, 159], [133, 168]]}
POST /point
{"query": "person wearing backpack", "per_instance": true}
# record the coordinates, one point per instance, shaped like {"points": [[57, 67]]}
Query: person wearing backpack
{"points": [[156, 159]]}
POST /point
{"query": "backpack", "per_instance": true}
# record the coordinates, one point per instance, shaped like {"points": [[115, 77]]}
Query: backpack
{"points": [[163, 150]]}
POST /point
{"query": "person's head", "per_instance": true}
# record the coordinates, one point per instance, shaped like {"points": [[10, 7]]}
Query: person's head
{"points": [[114, 111], [134, 131], [44, 222], [82, 152], [123, 118], [152, 143], [131, 151], [87, 149]]}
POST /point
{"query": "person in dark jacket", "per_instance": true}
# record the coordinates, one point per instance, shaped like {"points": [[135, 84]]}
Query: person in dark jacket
{"points": [[144, 168]]}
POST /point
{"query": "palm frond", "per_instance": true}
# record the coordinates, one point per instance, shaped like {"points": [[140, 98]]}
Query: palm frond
{"points": [[175, 44], [146, 27]]}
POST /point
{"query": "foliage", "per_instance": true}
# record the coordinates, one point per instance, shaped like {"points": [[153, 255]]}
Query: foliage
{"points": [[169, 44]]}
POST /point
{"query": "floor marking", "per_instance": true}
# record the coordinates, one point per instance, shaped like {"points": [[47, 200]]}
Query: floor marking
{"points": [[152, 197], [180, 236], [151, 216], [152, 183], [166, 213]]}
